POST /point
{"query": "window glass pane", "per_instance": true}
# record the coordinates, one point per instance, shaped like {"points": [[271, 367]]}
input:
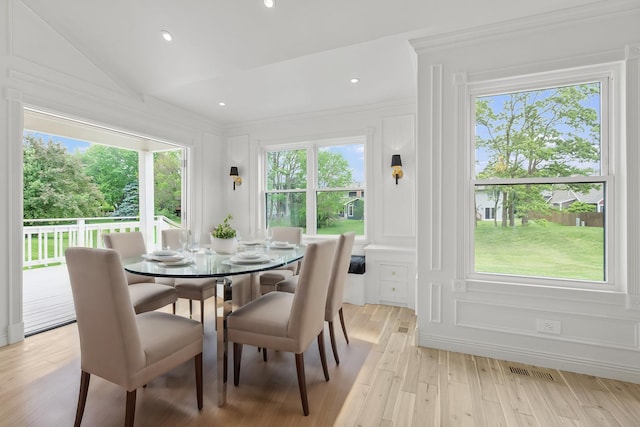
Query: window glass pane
{"points": [[542, 133], [340, 211], [286, 169], [286, 209], [341, 166], [541, 230]]}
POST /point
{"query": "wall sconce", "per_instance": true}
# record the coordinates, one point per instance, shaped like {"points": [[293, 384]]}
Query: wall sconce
{"points": [[396, 164], [236, 179]]}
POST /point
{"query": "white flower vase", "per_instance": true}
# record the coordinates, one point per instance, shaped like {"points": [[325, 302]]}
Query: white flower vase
{"points": [[224, 246]]}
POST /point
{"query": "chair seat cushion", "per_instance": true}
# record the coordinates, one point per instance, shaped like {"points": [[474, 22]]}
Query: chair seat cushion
{"points": [[167, 340], [272, 277], [288, 285], [196, 289], [151, 296], [267, 315]]}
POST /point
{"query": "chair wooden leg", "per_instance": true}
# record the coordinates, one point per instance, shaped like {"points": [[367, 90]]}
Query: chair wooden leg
{"points": [[344, 328], [190, 309], [264, 354], [198, 365], [82, 397], [202, 314], [237, 357], [332, 338], [174, 308], [323, 355], [302, 383], [131, 409]]}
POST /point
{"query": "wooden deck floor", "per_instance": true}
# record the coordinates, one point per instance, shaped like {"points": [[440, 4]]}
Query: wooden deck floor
{"points": [[47, 299]]}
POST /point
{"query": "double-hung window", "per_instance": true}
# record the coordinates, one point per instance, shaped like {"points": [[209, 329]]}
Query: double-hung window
{"points": [[318, 185], [541, 189]]}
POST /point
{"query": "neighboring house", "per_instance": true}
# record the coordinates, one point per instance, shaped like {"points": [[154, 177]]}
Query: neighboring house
{"points": [[486, 206], [354, 208], [562, 199], [487, 209]]}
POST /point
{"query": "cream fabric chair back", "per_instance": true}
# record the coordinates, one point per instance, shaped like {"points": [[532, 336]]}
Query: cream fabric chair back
{"points": [[128, 245], [172, 238], [287, 234], [339, 272], [110, 345], [307, 310]]}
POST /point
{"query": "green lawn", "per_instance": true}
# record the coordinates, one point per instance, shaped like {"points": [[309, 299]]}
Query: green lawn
{"points": [[344, 225], [541, 249]]}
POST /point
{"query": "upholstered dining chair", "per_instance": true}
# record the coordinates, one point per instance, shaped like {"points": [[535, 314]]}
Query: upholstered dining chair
{"points": [[116, 344], [335, 294], [146, 294], [191, 289], [287, 322], [269, 279]]}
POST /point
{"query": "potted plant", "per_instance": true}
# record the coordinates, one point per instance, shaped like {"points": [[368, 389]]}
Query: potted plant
{"points": [[223, 237]]}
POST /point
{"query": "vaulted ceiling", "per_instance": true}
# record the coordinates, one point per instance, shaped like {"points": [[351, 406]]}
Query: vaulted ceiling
{"points": [[295, 58]]}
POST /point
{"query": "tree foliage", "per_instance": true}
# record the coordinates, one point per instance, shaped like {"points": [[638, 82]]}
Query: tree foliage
{"points": [[55, 183], [112, 169], [287, 170], [544, 133], [168, 183]]}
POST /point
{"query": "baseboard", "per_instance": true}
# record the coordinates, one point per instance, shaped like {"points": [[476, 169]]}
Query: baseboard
{"points": [[537, 358]]}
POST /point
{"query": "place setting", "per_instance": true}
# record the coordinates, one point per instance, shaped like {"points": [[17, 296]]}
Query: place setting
{"points": [[168, 258], [250, 257]]}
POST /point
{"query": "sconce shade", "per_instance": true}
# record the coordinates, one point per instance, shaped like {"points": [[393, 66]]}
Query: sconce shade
{"points": [[396, 164], [234, 171]]}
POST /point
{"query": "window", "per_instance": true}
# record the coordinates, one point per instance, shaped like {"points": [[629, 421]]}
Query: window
{"points": [[318, 186], [540, 176]]}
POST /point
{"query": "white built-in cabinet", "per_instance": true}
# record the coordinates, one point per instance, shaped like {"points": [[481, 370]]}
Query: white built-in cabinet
{"points": [[391, 273]]}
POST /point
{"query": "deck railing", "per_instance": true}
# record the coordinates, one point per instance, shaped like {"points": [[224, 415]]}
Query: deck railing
{"points": [[45, 240]]}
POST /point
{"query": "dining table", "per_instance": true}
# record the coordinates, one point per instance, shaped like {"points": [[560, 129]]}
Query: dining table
{"points": [[243, 268]]}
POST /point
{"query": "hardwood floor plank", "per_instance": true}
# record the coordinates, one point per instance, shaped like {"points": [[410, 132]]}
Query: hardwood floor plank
{"points": [[383, 379]]}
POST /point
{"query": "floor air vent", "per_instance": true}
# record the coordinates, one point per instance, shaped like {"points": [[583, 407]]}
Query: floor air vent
{"points": [[530, 372], [403, 328]]}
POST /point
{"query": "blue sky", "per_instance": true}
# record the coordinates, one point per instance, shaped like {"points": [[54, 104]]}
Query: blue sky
{"points": [[72, 145]]}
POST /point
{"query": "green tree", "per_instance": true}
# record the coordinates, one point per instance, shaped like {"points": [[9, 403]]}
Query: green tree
{"points": [[168, 183], [112, 169], [287, 170], [130, 205], [543, 133], [580, 207], [333, 172], [55, 183]]}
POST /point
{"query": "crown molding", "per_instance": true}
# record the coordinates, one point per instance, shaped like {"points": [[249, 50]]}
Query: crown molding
{"points": [[536, 23]]}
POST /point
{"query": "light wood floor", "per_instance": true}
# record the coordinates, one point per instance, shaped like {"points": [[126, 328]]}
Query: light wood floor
{"points": [[384, 379]]}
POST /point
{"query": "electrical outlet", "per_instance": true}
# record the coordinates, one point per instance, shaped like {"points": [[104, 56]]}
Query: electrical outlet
{"points": [[548, 326]]}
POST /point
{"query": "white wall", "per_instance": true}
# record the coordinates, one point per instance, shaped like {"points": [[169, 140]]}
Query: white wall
{"points": [[600, 330], [389, 128], [38, 68]]}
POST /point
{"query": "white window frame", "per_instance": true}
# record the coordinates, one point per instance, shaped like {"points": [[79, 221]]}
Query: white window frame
{"points": [[608, 75], [313, 189]]}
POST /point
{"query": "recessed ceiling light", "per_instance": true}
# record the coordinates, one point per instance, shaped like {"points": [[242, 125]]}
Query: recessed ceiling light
{"points": [[166, 35], [354, 80], [270, 3], [222, 104]]}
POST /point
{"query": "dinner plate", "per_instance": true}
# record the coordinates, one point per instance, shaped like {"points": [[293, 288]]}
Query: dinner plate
{"points": [[282, 245], [263, 258], [164, 252], [164, 258], [179, 263], [251, 243], [249, 255]]}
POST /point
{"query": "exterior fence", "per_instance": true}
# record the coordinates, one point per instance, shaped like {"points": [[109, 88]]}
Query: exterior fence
{"points": [[590, 219], [45, 240]]}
